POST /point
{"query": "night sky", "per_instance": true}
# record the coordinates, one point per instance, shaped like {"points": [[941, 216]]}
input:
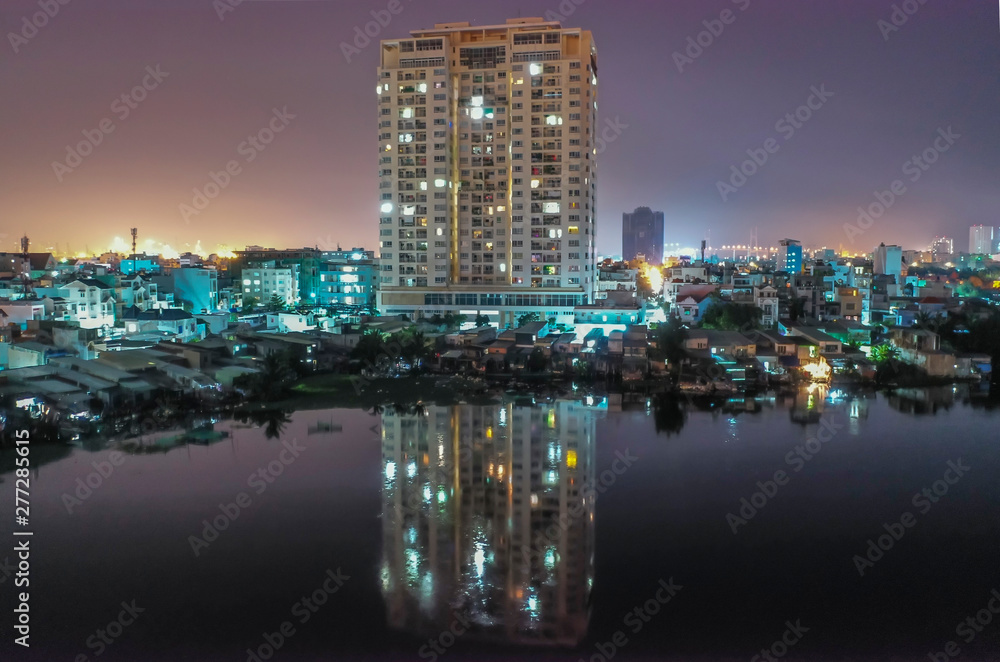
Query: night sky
{"points": [[680, 131]]}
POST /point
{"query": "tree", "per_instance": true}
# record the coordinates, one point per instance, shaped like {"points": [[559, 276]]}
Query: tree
{"points": [[526, 318], [249, 304], [796, 309], [537, 361], [370, 348], [275, 304], [411, 347], [884, 353], [731, 317], [274, 377], [670, 339], [482, 320], [454, 322], [925, 320]]}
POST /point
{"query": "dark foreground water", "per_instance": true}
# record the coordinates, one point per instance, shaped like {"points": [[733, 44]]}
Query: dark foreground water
{"points": [[563, 531]]}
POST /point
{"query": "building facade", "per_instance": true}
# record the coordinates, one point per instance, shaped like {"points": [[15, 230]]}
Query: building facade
{"points": [[888, 261], [196, 287], [304, 262], [981, 240], [643, 233], [348, 279], [487, 166], [942, 248], [262, 283], [790, 256]]}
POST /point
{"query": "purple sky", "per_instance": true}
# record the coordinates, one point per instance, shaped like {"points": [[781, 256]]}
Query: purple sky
{"points": [[316, 183]]}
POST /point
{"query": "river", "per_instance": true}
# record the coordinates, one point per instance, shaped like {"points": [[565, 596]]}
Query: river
{"points": [[581, 528]]}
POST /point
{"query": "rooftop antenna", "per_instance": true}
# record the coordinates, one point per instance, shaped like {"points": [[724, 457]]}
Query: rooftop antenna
{"points": [[135, 233], [26, 265]]}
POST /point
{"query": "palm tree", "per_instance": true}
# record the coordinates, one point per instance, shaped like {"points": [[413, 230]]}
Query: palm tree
{"points": [[924, 320]]}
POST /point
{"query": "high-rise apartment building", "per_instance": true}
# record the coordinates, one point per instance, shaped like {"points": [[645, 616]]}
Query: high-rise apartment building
{"points": [[790, 256], [888, 261], [643, 235], [942, 248], [981, 240], [487, 165]]}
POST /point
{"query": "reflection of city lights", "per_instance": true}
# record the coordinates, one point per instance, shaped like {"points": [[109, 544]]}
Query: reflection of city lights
{"points": [[550, 558], [819, 372], [479, 558], [436, 548]]}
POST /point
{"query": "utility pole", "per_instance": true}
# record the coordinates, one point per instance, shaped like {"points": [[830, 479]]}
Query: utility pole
{"points": [[25, 265], [135, 232]]}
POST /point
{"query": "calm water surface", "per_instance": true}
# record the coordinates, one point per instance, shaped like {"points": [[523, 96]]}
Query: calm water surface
{"points": [[533, 532]]}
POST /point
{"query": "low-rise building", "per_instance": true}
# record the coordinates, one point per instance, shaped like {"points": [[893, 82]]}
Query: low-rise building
{"points": [[692, 302], [263, 283]]}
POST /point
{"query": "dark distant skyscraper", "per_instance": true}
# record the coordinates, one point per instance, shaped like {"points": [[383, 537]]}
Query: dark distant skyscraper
{"points": [[642, 234]]}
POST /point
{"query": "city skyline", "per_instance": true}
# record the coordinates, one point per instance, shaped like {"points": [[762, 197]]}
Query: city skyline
{"points": [[294, 189]]}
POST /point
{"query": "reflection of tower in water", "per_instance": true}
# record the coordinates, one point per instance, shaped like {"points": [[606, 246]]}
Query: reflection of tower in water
{"points": [[487, 521]]}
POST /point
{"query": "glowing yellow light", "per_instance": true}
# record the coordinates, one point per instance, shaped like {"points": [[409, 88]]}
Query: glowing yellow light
{"points": [[819, 372], [571, 459], [489, 433], [653, 276]]}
